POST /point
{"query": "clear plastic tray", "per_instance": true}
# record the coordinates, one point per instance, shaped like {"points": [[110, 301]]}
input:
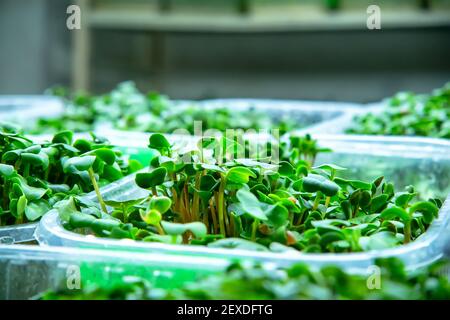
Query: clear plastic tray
{"points": [[22, 109], [423, 162], [21, 233], [341, 124], [306, 113], [24, 233], [26, 271]]}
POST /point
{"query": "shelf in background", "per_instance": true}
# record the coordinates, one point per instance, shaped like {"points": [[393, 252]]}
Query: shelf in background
{"points": [[265, 18], [269, 21]]}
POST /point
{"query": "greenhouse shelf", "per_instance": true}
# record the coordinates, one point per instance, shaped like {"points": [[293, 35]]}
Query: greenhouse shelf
{"points": [[26, 271], [24, 233], [422, 162], [22, 109]]}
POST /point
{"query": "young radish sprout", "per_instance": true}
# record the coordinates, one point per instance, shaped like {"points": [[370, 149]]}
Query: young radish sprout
{"points": [[409, 114], [126, 108], [35, 176], [198, 196]]}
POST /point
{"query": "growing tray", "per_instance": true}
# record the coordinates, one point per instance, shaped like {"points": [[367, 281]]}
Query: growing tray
{"points": [[24, 233], [341, 124], [423, 162], [26, 271], [307, 114], [22, 109]]}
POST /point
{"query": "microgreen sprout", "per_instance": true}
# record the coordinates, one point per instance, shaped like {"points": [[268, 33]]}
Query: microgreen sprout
{"points": [[35, 176], [197, 197], [126, 108], [409, 114]]}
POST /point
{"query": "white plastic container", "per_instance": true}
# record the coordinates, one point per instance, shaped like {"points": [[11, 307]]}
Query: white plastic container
{"points": [[26, 271], [22, 109], [341, 124], [422, 162], [135, 148], [305, 114]]}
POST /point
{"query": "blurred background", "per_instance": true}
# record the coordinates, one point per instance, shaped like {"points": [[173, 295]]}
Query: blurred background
{"points": [[196, 49]]}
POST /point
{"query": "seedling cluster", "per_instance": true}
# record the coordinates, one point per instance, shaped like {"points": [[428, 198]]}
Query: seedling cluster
{"points": [[126, 108], [35, 176], [196, 197], [228, 193], [411, 115]]}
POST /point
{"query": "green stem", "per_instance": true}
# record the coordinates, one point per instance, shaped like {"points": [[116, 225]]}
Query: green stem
{"points": [[124, 212], [407, 231], [17, 165], [327, 201], [261, 175], [291, 219], [205, 217], [187, 203], [300, 218], [19, 219], [97, 190], [57, 174], [26, 171], [220, 205], [232, 227], [154, 191], [182, 208], [160, 229], [5, 195], [355, 212], [176, 205], [47, 173], [196, 199], [333, 173], [254, 229], [213, 215], [317, 200]]}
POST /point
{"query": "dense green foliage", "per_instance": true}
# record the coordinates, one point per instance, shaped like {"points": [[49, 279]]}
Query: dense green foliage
{"points": [[197, 197], [410, 114], [128, 109], [35, 176], [223, 194], [296, 282]]}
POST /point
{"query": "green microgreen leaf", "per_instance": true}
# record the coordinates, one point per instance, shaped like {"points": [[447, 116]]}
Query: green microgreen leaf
{"points": [[198, 229], [151, 179], [239, 175], [250, 204], [315, 183]]}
